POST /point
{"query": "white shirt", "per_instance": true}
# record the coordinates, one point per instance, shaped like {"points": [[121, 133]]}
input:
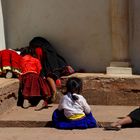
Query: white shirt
{"points": [[72, 107]]}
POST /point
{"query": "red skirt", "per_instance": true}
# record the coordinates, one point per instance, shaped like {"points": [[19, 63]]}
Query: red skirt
{"points": [[33, 85]]}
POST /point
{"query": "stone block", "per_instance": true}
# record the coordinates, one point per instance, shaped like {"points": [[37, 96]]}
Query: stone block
{"points": [[103, 89], [119, 70], [8, 93]]}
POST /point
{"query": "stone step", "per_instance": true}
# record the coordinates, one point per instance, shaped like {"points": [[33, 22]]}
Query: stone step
{"points": [[28, 121], [98, 89], [19, 117]]}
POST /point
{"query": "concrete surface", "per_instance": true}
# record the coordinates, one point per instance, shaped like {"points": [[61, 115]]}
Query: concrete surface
{"points": [[102, 113]]}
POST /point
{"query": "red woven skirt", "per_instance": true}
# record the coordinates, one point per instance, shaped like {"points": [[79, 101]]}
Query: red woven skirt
{"points": [[33, 85]]}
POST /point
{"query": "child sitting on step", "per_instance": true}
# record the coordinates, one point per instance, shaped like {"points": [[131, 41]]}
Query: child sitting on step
{"points": [[73, 111]]}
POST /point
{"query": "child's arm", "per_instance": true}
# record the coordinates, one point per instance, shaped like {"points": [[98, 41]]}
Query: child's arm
{"points": [[60, 106], [39, 67], [63, 103], [86, 106]]}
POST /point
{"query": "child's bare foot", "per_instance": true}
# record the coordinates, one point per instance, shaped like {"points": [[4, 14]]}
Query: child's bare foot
{"points": [[26, 104], [40, 105]]}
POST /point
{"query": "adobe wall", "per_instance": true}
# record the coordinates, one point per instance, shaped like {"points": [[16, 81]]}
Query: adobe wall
{"points": [[80, 30]]}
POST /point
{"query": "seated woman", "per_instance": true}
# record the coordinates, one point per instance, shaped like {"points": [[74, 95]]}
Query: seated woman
{"points": [[9, 63], [73, 111], [31, 83]]}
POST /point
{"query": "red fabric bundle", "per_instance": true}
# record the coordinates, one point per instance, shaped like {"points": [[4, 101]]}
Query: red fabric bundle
{"points": [[9, 60]]}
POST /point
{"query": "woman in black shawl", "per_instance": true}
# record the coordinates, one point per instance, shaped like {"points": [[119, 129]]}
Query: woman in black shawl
{"points": [[53, 65]]}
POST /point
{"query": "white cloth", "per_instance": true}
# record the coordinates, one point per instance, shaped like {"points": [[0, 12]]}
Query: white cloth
{"points": [[18, 52], [72, 107]]}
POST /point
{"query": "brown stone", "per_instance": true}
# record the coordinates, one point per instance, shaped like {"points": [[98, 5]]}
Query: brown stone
{"points": [[101, 89], [8, 93]]}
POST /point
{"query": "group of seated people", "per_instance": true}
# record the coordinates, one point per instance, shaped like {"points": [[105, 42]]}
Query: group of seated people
{"points": [[39, 68]]}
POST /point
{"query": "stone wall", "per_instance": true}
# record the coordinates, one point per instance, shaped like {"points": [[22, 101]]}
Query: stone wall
{"points": [[75, 28], [100, 89]]}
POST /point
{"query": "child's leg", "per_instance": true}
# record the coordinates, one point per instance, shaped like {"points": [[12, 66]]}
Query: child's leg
{"points": [[45, 94], [30, 87]]}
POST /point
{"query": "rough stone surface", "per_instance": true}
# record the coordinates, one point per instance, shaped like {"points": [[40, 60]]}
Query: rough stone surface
{"points": [[8, 93], [103, 89], [98, 89]]}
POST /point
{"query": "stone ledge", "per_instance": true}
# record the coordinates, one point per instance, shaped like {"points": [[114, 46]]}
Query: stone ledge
{"points": [[98, 89], [103, 89]]}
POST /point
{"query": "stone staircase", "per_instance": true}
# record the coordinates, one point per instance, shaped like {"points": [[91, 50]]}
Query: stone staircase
{"points": [[111, 98], [98, 89]]}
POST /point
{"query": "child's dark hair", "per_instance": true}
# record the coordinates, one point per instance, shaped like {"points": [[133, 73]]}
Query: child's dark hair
{"points": [[74, 85], [28, 50]]}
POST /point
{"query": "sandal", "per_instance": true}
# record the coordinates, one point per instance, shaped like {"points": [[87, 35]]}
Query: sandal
{"points": [[110, 127]]}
